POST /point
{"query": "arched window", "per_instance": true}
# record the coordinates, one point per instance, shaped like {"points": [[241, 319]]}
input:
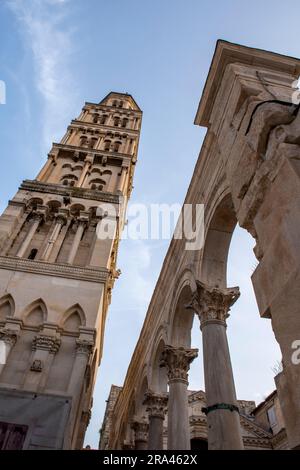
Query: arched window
{"points": [[103, 119], [96, 118], [33, 253], [107, 145], [121, 104], [116, 121], [124, 122], [115, 103], [117, 146]]}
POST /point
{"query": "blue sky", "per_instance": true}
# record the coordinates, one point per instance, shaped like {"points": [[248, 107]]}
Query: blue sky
{"points": [[56, 54]]}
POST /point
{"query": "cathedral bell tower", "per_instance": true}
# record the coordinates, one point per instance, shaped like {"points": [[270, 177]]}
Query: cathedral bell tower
{"points": [[57, 274]]}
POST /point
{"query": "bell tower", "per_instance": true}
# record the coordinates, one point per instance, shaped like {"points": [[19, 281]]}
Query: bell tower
{"points": [[56, 276]]}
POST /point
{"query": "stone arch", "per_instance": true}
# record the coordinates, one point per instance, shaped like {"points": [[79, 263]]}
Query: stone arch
{"points": [[158, 374], [73, 318], [34, 202], [181, 318], [35, 313], [213, 266], [143, 387], [76, 208], [7, 307]]}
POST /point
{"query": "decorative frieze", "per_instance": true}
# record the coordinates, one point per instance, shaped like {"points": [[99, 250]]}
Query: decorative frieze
{"points": [[81, 193], [177, 361], [99, 275]]}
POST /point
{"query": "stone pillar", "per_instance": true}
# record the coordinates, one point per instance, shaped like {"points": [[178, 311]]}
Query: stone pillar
{"points": [[177, 361], [9, 338], [82, 223], [223, 421], [36, 218], [156, 407], [122, 178], [51, 161], [83, 350], [141, 429], [61, 219], [88, 162]]}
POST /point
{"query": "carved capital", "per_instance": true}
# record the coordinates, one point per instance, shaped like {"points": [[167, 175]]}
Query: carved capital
{"points": [[84, 347], [62, 216], [46, 343], [177, 361], [156, 404], [141, 429], [9, 337], [212, 304]]}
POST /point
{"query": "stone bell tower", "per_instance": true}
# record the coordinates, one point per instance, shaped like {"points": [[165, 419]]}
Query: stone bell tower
{"points": [[57, 274]]}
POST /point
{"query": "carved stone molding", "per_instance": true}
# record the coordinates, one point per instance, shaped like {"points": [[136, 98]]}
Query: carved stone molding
{"points": [[177, 361], [8, 336], [57, 270], [212, 304], [141, 429], [156, 404], [82, 193], [84, 347], [46, 343]]}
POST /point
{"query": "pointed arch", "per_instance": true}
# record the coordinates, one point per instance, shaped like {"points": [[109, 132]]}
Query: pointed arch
{"points": [[73, 318], [7, 307], [35, 313]]}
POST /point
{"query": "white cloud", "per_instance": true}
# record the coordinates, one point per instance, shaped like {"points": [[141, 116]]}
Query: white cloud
{"points": [[42, 28]]}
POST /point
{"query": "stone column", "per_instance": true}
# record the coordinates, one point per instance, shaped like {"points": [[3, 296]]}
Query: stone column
{"points": [[88, 162], [223, 421], [61, 219], [141, 429], [9, 338], [36, 218], [82, 223], [177, 361], [156, 407]]}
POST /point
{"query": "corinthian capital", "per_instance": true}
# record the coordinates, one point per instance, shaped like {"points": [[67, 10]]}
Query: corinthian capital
{"points": [[156, 404], [141, 429], [8, 336], [46, 343], [177, 361], [212, 304], [84, 347]]}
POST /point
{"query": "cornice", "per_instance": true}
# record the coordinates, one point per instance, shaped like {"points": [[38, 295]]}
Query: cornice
{"points": [[104, 153], [80, 193], [106, 107], [98, 275]]}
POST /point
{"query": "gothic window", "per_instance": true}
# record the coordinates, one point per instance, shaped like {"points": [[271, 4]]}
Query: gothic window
{"points": [[33, 253]]}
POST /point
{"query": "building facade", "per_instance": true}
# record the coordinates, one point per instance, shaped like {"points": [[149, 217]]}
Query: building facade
{"points": [[57, 271], [262, 426], [247, 173]]}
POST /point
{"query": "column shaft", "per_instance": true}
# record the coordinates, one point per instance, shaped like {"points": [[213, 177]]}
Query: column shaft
{"points": [[34, 226]]}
